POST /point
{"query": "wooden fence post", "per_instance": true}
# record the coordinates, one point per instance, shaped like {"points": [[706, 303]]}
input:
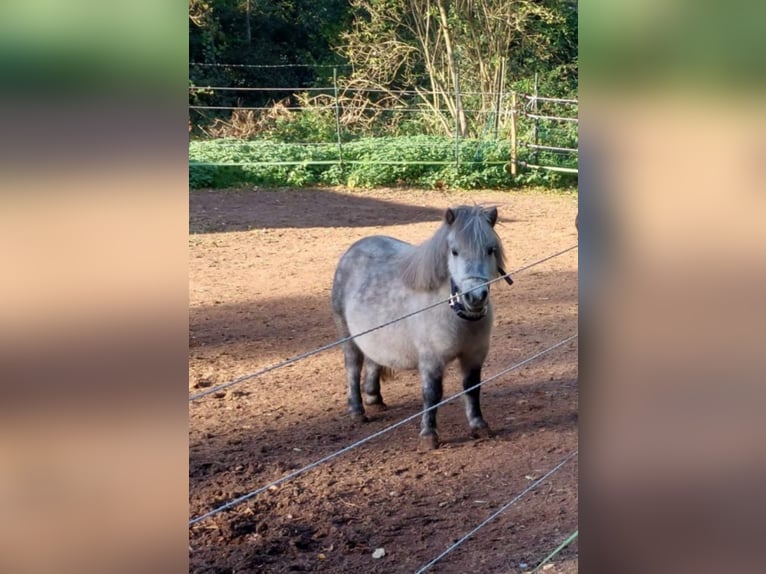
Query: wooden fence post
{"points": [[499, 97], [458, 107], [514, 164], [535, 158], [337, 115]]}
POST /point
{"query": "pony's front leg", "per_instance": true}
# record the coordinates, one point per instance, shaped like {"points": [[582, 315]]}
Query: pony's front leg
{"points": [[431, 375], [471, 378], [354, 358]]}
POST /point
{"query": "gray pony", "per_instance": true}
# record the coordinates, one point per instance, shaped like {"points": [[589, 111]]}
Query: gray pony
{"points": [[381, 278]]}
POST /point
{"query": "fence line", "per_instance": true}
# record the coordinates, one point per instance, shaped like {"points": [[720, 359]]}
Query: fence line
{"points": [[258, 108], [292, 162], [546, 99], [248, 89], [332, 106], [331, 88], [207, 65], [333, 93], [550, 148], [432, 145], [551, 118], [328, 346], [549, 167], [247, 143], [296, 473], [335, 161], [530, 110], [499, 511]]}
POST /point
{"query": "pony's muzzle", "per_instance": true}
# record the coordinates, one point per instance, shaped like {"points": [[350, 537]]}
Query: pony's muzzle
{"points": [[471, 303], [476, 298]]}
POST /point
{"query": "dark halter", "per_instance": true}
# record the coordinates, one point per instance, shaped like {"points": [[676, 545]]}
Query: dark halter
{"points": [[457, 306]]}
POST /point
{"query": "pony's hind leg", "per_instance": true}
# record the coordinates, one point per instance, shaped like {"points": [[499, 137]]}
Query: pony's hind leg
{"points": [[354, 358], [471, 378], [372, 376]]}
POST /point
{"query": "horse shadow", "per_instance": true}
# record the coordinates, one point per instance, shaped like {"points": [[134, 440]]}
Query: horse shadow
{"points": [[243, 210], [218, 211]]}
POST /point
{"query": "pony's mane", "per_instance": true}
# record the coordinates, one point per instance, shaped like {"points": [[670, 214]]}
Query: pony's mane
{"points": [[425, 268]]}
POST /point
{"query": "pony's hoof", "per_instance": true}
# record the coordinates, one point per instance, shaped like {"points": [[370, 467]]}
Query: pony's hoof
{"points": [[359, 418], [374, 401], [482, 432], [429, 442], [377, 407]]}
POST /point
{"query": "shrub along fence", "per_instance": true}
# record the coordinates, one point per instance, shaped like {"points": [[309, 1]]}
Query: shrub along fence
{"points": [[327, 135]]}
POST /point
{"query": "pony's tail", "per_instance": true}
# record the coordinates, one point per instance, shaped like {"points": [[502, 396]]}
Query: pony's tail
{"points": [[387, 374]]}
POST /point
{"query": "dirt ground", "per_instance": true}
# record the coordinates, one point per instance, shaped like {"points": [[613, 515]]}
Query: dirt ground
{"points": [[261, 267]]}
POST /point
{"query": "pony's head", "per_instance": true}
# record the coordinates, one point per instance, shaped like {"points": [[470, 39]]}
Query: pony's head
{"points": [[474, 256]]}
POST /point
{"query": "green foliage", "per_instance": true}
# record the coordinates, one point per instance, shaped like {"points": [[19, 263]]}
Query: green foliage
{"points": [[253, 32], [201, 175], [300, 41], [558, 82], [306, 125], [309, 35], [387, 161]]}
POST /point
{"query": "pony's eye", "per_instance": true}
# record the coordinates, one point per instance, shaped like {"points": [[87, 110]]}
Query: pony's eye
{"points": [[454, 252], [491, 250]]}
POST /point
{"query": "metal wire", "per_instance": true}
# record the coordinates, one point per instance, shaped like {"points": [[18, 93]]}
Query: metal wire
{"points": [[549, 148], [552, 118], [345, 107], [543, 99], [549, 167], [559, 548], [248, 89], [337, 162], [383, 431], [205, 65], [499, 511], [328, 88], [323, 348], [249, 144], [254, 163], [259, 108]]}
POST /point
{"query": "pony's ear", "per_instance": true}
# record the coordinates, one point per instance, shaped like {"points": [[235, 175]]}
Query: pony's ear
{"points": [[491, 215], [449, 216]]}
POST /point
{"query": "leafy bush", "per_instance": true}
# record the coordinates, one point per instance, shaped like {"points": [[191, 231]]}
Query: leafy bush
{"points": [[306, 125], [411, 160], [200, 175]]}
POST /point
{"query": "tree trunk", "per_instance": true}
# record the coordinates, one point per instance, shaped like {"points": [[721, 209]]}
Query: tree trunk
{"points": [[248, 31], [459, 111]]}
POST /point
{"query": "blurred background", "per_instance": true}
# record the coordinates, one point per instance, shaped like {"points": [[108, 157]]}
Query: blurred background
{"points": [[671, 281]]}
